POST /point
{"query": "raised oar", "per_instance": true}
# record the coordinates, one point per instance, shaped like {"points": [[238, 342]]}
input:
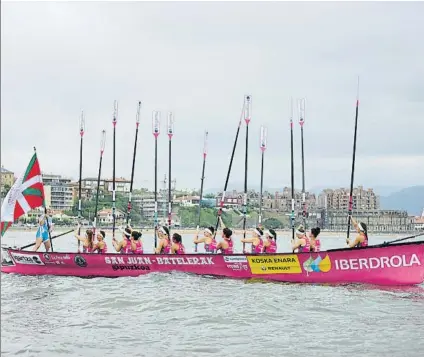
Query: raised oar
{"points": [[292, 168], [170, 134], [302, 122], [82, 127], [137, 123], [221, 205], [205, 152], [54, 237], [102, 149], [247, 118], [352, 175], [264, 132], [114, 120], [156, 132]]}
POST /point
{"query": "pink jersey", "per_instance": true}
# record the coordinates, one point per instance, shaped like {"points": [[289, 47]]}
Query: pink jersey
{"points": [[364, 243], [181, 249], [138, 247], [103, 250], [167, 248], [272, 248], [317, 247], [127, 248], [87, 250], [229, 250], [257, 249], [307, 247], [211, 248]]}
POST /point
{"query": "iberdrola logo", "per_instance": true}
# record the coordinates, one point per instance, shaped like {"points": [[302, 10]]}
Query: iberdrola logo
{"points": [[317, 265]]}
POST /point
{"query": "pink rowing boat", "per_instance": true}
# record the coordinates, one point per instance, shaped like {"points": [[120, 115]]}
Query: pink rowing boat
{"points": [[394, 264]]}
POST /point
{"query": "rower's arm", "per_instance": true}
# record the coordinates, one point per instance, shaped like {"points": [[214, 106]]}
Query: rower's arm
{"points": [[81, 239], [354, 243], [133, 246], [199, 240], [297, 243], [248, 240], [355, 224], [116, 245], [159, 248], [222, 222], [174, 248], [266, 243]]}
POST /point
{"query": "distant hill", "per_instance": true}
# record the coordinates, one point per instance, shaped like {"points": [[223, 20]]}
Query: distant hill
{"points": [[410, 199]]}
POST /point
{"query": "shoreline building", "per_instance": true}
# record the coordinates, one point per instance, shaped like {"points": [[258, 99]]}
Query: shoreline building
{"points": [[7, 180], [58, 192]]}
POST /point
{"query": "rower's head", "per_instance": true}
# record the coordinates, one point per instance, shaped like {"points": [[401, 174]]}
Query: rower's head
{"points": [[209, 231], [257, 232], [101, 236], [300, 232], [89, 235], [227, 233], [176, 238], [126, 233], [315, 232], [163, 232], [136, 235], [271, 235], [362, 228]]}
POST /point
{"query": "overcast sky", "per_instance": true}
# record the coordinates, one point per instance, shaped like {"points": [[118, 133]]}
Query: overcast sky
{"points": [[199, 60]]}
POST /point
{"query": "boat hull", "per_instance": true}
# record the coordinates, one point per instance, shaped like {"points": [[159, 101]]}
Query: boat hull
{"points": [[397, 264]]}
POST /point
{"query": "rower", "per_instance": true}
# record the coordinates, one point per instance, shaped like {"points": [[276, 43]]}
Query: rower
{"points": [[45, 226], [270, 243], [361, 240], [136, 243], [177, 244], [87, 240], [256, 240], [226, 245], [164, 246], [302, 242], [208, 239], [314, 241], [100, 246], [124, 246]]}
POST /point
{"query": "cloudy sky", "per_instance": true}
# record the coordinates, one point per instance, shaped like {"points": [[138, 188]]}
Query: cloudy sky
{"points": [[199, 60]]}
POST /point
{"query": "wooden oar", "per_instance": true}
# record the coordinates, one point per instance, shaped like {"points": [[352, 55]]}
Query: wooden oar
{"points": [[56, 236], [156, 132], [247, 118], [82, 129], [402, 239], [352, 174], [137, 123], [205, 152]]}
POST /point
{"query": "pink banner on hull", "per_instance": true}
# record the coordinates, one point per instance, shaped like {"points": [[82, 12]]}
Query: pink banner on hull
{"points": [[401, 264]]}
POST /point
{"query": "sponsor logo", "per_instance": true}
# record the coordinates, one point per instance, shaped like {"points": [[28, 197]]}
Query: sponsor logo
{"points": [[275, 264], [237, 266], [235, 259], [159, 260], [50, 257], [317, 265], [130, 267], [80, 261], [30, 259], [395, 261]]}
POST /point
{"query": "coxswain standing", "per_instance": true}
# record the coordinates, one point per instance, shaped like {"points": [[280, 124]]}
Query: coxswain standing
{"points": [[45, 226]]}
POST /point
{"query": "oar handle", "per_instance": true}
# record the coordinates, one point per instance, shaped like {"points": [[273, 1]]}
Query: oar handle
{"points": [[57, 236]]}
